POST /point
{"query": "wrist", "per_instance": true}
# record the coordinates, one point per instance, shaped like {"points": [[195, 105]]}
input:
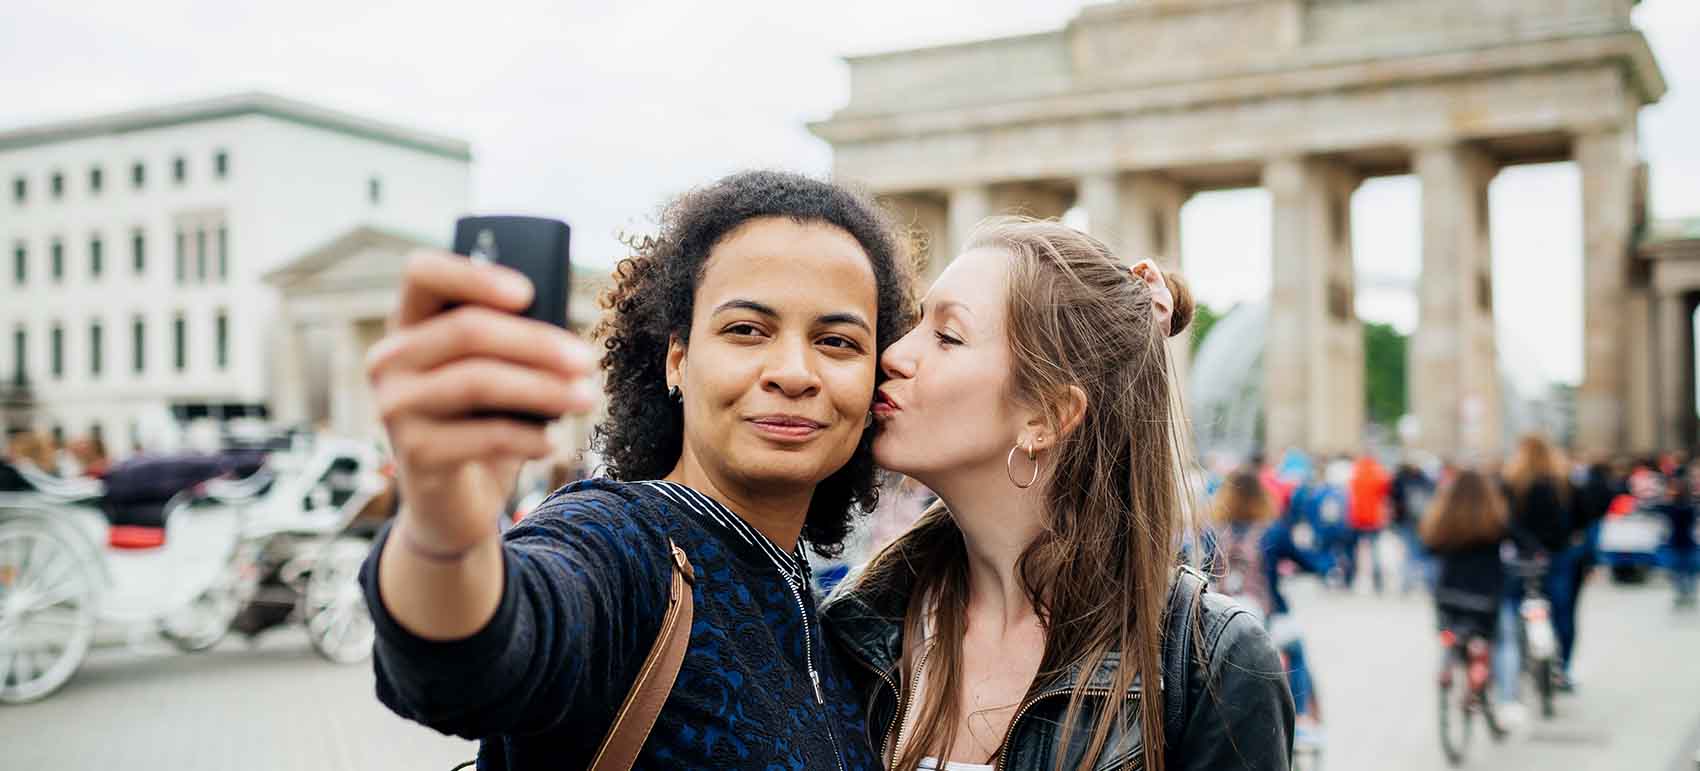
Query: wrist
{"points": [[432, 550]]}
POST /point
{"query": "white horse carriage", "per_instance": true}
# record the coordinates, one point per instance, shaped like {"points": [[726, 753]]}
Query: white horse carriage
{"points": [[171, 544]]}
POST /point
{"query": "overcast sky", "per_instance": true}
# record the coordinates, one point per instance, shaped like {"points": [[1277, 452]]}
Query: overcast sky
{"points": [[597, 110]]}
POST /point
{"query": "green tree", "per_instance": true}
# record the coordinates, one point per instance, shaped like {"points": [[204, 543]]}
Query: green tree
{"points": [[1384, 373], [1203, 318]]}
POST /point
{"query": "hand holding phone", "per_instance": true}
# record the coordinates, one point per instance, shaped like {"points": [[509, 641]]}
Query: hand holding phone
{"points": [[477, 359]]}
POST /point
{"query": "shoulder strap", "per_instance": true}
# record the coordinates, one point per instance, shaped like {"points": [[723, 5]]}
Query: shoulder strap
{"points": [[637, 713], [1184, 594]]}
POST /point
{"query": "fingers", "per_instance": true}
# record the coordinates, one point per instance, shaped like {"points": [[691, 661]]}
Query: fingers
{"points": [[434, 280], [471, 331], [425, 447], [478, 385]]}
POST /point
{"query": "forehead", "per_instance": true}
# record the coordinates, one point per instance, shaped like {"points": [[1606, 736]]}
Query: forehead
{"points": [[978, 279], [781, 261]]}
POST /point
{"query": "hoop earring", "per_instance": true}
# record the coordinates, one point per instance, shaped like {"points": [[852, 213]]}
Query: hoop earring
{"points": [[1009, 466]]}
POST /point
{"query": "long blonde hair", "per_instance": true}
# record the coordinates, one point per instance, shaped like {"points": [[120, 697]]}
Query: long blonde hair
{"points": [[1535, 460], [1113, 491]]}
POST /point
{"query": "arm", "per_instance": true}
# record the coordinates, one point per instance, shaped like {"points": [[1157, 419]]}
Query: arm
{"points": [[1242, 718], [582, 585]]}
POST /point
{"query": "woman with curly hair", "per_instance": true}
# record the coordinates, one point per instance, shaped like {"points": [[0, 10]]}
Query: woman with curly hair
{"points": [[741, 354]]}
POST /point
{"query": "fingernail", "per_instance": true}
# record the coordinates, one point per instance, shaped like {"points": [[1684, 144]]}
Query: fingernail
{"points": [[515, 285]]}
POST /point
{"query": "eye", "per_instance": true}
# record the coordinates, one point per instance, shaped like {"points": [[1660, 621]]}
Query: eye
{"points": [[839, 341], [946, 340], [743, 329]]}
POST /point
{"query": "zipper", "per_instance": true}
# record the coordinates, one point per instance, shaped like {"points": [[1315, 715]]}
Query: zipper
{"points": [[903, 710], [1003, 753], [814, 675]]}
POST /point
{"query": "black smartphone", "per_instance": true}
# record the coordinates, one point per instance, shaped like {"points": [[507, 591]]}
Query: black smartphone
{"points": [[535, 246]]}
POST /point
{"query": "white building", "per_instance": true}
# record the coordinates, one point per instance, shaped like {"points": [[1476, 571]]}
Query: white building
{"points": [[133, 247]]}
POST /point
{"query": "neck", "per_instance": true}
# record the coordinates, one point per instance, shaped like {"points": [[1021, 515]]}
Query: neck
{"points": [[777, 514], [998, 522]]}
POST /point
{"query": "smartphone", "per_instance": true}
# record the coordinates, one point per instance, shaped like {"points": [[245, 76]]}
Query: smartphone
{"points": [[535, 246]]}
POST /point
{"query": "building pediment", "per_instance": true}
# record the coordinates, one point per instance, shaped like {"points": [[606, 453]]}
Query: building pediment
{"points": [[360, 259]]}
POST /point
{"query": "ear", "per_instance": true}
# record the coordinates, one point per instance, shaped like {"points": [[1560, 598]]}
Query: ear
{"points": [[1071, 410], [675, 361]]}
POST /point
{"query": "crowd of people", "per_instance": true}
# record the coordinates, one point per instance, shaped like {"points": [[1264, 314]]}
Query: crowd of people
{"points": [[1469, 534]]}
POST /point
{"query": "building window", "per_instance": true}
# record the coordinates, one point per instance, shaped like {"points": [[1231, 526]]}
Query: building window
{"points": [[96, 258], [138, 251], [20, 263], [56, 257], [56, 184], [221, 339], [95, 345], [20, 354], [201, 256], [179, 170], [223, 254], [56, 351], [182, 257], [138, 344], [95, 180], [180, 343], [20, 190], [138, 175], [374, 190], [221, 164]]}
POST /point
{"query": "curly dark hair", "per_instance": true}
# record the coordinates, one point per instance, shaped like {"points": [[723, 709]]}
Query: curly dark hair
{"points": [[652, 300]]}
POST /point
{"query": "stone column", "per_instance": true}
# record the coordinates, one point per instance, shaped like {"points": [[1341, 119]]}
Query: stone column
{"points": [[1454, 370], [925, 218], [289, 375], [1313, 358], [1676, 371], [967, 206], [1139, 216], [1607, 160], [347, 381], [1642, 385]]}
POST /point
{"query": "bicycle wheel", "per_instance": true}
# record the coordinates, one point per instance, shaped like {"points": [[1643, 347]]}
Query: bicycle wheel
{"points": [[1542, 673], [1496, 730], [1455, 715]]}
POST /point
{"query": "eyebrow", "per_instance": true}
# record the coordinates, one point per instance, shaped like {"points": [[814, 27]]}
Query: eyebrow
{"points": [[852, 319], [945, 305]]}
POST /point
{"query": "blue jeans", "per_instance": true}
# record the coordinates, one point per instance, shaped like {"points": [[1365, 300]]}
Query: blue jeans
{"points": [[1685, 573], [1298, 676], [1562, 582], [1507, 654], [1419, 566], [1354, 538]]}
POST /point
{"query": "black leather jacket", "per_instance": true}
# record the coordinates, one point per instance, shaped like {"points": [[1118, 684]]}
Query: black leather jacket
{"points": [[1236, 711]]}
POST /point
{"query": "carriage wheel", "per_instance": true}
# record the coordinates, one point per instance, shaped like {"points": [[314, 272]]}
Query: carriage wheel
{"points": [[47, 611], [338, 623], [204, 622]]}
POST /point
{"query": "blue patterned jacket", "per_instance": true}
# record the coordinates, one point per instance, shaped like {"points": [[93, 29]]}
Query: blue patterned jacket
{"points": [[587, 580]]}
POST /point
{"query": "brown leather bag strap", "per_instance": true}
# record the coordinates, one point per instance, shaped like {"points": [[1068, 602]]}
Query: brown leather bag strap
{"points": [[654, 682]]}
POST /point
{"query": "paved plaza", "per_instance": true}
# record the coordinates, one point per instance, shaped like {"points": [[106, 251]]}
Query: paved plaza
{"points": [[278, 707]]}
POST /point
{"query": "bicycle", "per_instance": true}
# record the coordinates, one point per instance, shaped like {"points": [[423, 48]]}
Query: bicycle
{"points": [[1536, 640], [1466, 664]]}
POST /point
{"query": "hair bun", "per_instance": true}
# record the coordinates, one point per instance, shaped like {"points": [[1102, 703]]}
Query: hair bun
{"points": [[1181, 316]]}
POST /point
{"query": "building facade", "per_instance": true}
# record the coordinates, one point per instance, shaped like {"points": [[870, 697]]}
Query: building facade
{"points": [[135, 245]]}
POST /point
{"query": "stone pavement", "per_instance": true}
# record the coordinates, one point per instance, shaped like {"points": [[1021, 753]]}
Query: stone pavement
{"points": [[278, 707]]}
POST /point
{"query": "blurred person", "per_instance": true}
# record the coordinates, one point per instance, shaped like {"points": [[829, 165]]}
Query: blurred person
{"points": [[741, 353], [1409, 496], [1250, 539], [90, 455], [1539, 494], [1678, 509], [1367, 516], [1014, 623], [1464, 529]]}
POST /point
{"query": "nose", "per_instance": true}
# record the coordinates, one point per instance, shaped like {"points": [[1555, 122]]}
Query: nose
{"points": [[898, 361], [790, 370]]}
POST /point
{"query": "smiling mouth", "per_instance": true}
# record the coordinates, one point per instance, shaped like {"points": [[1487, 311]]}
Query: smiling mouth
{"points": [[787, 427]]}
